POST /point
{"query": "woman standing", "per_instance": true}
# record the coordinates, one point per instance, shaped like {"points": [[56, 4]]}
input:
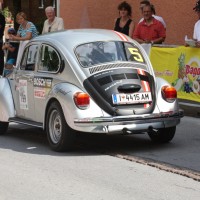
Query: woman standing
{"points": [[124, 23], [26, 31]]}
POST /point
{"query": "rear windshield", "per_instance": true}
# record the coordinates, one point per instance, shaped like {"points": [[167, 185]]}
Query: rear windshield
{"points": [[96, 53]]}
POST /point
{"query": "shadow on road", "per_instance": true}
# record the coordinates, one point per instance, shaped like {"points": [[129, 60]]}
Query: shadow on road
{"points": [[32, 140], [182, 151]]}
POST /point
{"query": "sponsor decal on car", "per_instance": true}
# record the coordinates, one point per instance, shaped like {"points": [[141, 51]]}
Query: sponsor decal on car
{"points": [[145, 85], [23, 97], [42, 82], [39, 93], [42, 86], [122, 36]]}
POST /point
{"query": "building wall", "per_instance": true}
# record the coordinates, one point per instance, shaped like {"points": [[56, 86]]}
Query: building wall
{"points": [[178, 14]]}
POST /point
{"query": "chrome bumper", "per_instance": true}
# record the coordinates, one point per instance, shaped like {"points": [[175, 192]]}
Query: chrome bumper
{"points": [[133, 119]]}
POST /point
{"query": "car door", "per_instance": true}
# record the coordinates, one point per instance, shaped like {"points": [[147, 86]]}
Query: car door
{"points": [[24, 78], [49, 63]]}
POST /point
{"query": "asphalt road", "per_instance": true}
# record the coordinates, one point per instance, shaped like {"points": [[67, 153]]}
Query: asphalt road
{"points": [[30, 170], [182, 151]]}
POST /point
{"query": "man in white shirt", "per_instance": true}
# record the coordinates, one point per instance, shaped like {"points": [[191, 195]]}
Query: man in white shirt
{"points": [[159, 18], [52, 23], [196, 34]]}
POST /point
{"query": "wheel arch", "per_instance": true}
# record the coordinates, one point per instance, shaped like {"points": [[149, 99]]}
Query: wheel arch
{"points": [[46, 110], [60, 136]]}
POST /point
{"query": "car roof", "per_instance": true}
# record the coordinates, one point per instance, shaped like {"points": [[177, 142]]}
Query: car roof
{"points": [[74, 37]]}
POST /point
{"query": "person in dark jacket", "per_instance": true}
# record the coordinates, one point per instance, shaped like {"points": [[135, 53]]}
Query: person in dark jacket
{"points": [[2, 27], [11, 47]]}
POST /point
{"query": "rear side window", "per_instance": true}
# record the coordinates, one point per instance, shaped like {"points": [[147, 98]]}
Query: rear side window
{"points": [[29, 58], [49, 59]]}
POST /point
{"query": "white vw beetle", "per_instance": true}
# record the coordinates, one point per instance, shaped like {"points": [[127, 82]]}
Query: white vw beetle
{"points": [[97, 81]]}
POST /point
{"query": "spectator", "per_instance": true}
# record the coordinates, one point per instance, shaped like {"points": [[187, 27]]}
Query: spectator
{"points": [[2, 27], [150, 30], [124, 23], [11, 47], [52, 23], [196, 34], [159, 18], [12, 50], [26, 31]]}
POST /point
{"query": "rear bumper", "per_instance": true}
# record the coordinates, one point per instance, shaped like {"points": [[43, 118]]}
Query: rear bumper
{"points": [[132, 123]]}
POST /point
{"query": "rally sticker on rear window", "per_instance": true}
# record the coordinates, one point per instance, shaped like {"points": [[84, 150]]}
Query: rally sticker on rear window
{"points": [[136, 54]]}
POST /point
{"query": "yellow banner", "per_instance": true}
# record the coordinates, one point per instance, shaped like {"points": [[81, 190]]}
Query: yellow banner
{"points": [[180, 66]]}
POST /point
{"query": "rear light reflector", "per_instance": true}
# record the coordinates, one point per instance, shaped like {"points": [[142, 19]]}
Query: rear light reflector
{"points": [[82, 100], [169, 93]]}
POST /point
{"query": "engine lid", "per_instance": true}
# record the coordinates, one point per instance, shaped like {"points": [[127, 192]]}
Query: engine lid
{"points": [[122, 91]]}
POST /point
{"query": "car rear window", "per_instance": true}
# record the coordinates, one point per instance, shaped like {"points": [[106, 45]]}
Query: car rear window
{"points": [[96, 53]]}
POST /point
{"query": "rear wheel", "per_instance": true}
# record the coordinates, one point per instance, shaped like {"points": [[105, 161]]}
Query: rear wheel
{"points": [[3, 127], [60, 136], [163, 135]]}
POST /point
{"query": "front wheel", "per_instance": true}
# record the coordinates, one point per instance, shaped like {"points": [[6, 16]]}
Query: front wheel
{"points": [[162, 135], [60, 136], [3, 127]]}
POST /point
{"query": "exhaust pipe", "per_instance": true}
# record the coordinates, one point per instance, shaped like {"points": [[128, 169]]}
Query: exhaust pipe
{"points": [[151, 129], [126, 131]]}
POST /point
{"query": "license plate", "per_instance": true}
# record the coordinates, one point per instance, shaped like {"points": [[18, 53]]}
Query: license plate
{"points": [[143, 97]]}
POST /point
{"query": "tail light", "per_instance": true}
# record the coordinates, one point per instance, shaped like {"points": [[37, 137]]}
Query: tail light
{"points": [[82, 100], [169, 93]]}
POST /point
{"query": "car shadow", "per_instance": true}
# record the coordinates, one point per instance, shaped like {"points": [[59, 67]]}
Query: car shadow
{"points": [[26, 139], [135, 143]]}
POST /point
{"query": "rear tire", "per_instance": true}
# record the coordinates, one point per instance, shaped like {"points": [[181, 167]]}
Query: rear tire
{"points": [[163, 135], [60, 136], [3, 127]]}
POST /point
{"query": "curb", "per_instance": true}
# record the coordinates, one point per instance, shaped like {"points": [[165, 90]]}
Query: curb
{"points": [[190, 108]]}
